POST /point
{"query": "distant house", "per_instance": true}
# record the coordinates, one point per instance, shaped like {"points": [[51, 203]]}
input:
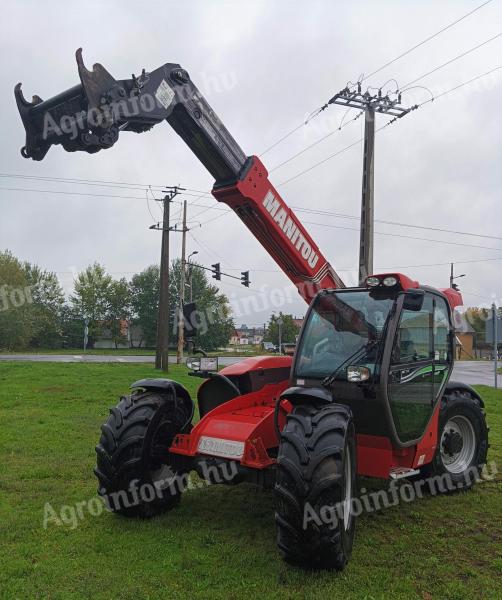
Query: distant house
{"points": [[465, 335], [245, 335], [298, 321], [131, 336]]}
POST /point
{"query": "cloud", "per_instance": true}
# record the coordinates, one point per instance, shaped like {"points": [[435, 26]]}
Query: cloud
{"points": [[266, 65]]}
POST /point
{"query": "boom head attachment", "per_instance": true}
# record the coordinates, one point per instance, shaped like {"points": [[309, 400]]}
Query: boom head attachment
{"points": [[90, 116]]}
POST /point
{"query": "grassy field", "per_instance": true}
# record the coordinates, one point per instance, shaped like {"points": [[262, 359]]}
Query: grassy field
{"points": [[220, 542]]}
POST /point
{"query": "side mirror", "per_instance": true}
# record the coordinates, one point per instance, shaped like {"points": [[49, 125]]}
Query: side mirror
{"points": [[413, 300], [203, 363]]}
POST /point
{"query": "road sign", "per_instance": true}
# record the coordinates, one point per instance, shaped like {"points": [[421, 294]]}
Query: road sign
{"points": [[489, 330]]}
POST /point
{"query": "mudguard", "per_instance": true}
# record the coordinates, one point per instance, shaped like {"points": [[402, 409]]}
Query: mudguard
{"points": [[309, 395], [166, 386], [451, 386]]}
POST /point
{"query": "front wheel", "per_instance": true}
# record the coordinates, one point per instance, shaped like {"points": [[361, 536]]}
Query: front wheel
{"points": [[135, 471], [462, 441], [315, 485]]}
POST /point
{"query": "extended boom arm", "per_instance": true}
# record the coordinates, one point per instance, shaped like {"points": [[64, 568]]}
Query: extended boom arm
{"points": [[90, 116]]}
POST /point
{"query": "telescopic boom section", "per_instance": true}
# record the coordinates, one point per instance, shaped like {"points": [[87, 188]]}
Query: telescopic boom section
{"points": [[90, 116]]}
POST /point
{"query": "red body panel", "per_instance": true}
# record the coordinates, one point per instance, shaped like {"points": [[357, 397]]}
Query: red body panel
{"points": [[278, 229], [376, 456], [248, 418], [257, 362]]}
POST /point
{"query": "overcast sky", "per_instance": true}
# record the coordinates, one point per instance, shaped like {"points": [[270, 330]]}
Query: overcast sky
{"points": [[264, 66]]}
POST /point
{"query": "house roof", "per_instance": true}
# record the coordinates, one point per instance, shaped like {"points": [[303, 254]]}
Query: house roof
{"points": [[462, 325]]}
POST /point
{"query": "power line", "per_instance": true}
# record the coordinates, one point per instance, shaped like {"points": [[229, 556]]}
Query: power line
{"points": [[449, 62], [428, 39], [324, 137], [396, 223], [461, 85], [225, 211], [390, 62], [318, 163], [406, 236]]}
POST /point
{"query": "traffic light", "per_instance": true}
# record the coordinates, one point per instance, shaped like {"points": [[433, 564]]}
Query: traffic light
{"points": [[245, 278], [216, 271]]}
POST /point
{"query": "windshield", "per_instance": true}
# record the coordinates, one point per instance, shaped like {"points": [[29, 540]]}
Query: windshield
{"points": [[340, 324]]}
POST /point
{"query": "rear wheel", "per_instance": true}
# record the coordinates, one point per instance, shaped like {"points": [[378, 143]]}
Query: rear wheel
{"points": [[315, 484], [462, 440], [134, 469]]}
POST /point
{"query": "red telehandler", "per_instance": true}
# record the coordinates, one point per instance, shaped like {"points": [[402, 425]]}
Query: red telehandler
{"points": [[368, 391]]}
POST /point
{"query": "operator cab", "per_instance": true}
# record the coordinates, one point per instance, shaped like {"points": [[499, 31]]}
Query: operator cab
{"points": [[385, 349]]}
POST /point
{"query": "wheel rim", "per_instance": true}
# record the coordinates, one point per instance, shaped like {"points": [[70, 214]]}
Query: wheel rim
{"points": [[347, 496], [162, 477], [458, 444]]}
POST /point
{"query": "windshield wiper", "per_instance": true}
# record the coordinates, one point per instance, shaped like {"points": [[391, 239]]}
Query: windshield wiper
{"points": [[357, 355]]}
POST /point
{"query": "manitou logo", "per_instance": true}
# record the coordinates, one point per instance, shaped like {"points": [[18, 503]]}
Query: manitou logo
{"points": [[289, 227]]}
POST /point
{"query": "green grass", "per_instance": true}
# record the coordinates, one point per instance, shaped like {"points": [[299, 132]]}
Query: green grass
{"points": [[220, 542], [80, 351]]}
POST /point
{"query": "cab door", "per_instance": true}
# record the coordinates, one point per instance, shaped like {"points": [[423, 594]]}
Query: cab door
{"points": [[411, 374], [420, 364]]}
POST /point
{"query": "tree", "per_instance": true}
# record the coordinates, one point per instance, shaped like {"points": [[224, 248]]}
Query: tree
{"points": [[72, 328], [91, 298], [17, 315], [144, 290], [212, 323], [289, 330], [477, 318], [48, 301], [118, 309]]}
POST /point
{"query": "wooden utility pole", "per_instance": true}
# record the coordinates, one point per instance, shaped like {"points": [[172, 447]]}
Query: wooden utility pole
{"points": [[367, 199], [162, 350], [369, 104], [495, 344], [162, 347], [181, 321]]}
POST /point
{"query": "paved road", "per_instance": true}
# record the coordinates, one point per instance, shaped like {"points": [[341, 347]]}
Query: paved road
{"points": [[475, 372], [95, 358]]}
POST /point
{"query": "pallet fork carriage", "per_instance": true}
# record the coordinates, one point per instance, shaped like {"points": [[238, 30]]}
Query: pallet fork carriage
{"points": [[368, 391]]}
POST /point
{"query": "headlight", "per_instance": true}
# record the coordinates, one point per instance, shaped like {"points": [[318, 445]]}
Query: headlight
{"points": [[356, 374], [390, 281], [372, 281]]}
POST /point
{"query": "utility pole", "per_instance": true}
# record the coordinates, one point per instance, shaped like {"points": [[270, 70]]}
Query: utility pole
{"points": [[162, 347], [367, 198], [181, 321], [369, 104], [495, 343]]}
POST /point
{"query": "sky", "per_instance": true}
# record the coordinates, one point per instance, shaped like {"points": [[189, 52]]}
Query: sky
{"points": [[264, 67]]}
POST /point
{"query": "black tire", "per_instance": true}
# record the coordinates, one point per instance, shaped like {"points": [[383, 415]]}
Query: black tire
{"points": [[133, 457], [459, 461], [315, 464]]}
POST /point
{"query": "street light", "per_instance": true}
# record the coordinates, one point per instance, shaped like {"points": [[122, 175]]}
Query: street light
{"points": [[280, 323], [452, 278], [190, 273]]}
